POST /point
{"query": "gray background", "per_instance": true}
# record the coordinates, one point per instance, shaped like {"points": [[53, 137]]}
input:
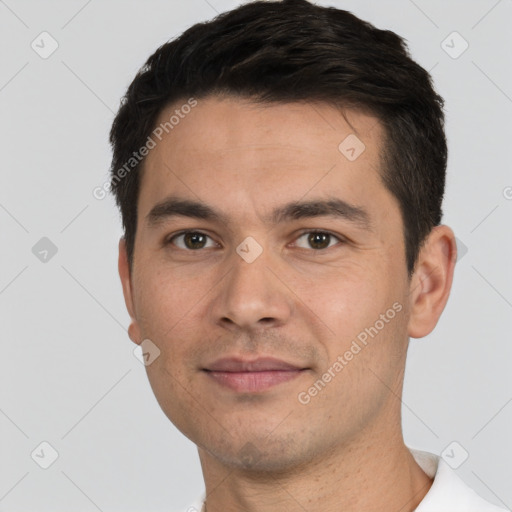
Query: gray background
{"points": [[68, 375]]}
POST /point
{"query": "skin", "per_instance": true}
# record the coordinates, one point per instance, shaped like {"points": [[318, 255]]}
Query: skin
{"points": [[343, 450]]}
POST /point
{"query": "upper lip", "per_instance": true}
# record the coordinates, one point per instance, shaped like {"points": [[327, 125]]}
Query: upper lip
{"points": [[234, 364]]}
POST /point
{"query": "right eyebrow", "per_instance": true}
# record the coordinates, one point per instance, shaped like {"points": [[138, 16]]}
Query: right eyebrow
{"points": [[172, 207]]}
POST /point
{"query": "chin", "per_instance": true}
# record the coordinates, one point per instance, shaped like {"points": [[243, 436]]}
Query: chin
{"points": [[259, 454]]}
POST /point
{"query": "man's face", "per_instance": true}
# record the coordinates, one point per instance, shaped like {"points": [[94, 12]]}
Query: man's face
{"points": [[252, 285]]}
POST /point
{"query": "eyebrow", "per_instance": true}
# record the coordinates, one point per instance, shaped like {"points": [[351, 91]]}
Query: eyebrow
{"points": [[295, 210]]}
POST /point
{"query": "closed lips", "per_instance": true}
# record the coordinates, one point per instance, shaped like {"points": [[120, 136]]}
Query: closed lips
{"points": [[258, 365]]}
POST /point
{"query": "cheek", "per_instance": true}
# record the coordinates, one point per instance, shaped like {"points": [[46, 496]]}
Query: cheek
{"points": [[367, 319], [365, 362], [348, 300], [170, 313], [164, 301]]}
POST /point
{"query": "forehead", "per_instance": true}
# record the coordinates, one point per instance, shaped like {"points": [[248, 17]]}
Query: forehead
{"points": [[233, 153], [240, 122]]}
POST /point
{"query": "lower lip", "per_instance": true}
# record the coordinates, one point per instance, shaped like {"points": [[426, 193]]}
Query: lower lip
{"points": [[247, 382]]}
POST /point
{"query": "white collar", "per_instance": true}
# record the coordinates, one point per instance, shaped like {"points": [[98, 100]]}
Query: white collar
{"points": [[448, 491]]}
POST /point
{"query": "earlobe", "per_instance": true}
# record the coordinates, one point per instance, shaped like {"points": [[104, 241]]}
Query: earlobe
{"points": [[126, 282], [432, 280]]}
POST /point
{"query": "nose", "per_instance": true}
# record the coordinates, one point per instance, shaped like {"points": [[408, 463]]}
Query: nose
{"points": [[252, 294]]}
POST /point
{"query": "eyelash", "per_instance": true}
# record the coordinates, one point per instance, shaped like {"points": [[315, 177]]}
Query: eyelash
{"points": [[340, 239]]}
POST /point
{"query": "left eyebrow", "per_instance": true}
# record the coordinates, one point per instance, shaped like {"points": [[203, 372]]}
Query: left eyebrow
{"points": [[295, 210], [322, 208]]}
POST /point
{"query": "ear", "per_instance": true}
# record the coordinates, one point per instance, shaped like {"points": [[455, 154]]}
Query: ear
{"points": [[432, 281], [126, 281]]}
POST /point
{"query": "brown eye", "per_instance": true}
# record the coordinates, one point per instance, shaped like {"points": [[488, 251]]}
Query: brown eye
{"points": [[318, 240], [190, 240]]}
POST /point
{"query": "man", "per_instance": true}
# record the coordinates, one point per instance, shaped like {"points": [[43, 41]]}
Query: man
{"points": [[280, 173]]}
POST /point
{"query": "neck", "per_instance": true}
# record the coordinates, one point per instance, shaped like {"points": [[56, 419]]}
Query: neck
{"points": [[371, 476]]}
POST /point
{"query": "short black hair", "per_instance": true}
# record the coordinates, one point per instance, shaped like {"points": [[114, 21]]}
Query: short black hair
{"points": [[292, 51]]}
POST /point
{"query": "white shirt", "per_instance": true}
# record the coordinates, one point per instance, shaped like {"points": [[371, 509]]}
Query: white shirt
{"points": [[448, 492]]}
